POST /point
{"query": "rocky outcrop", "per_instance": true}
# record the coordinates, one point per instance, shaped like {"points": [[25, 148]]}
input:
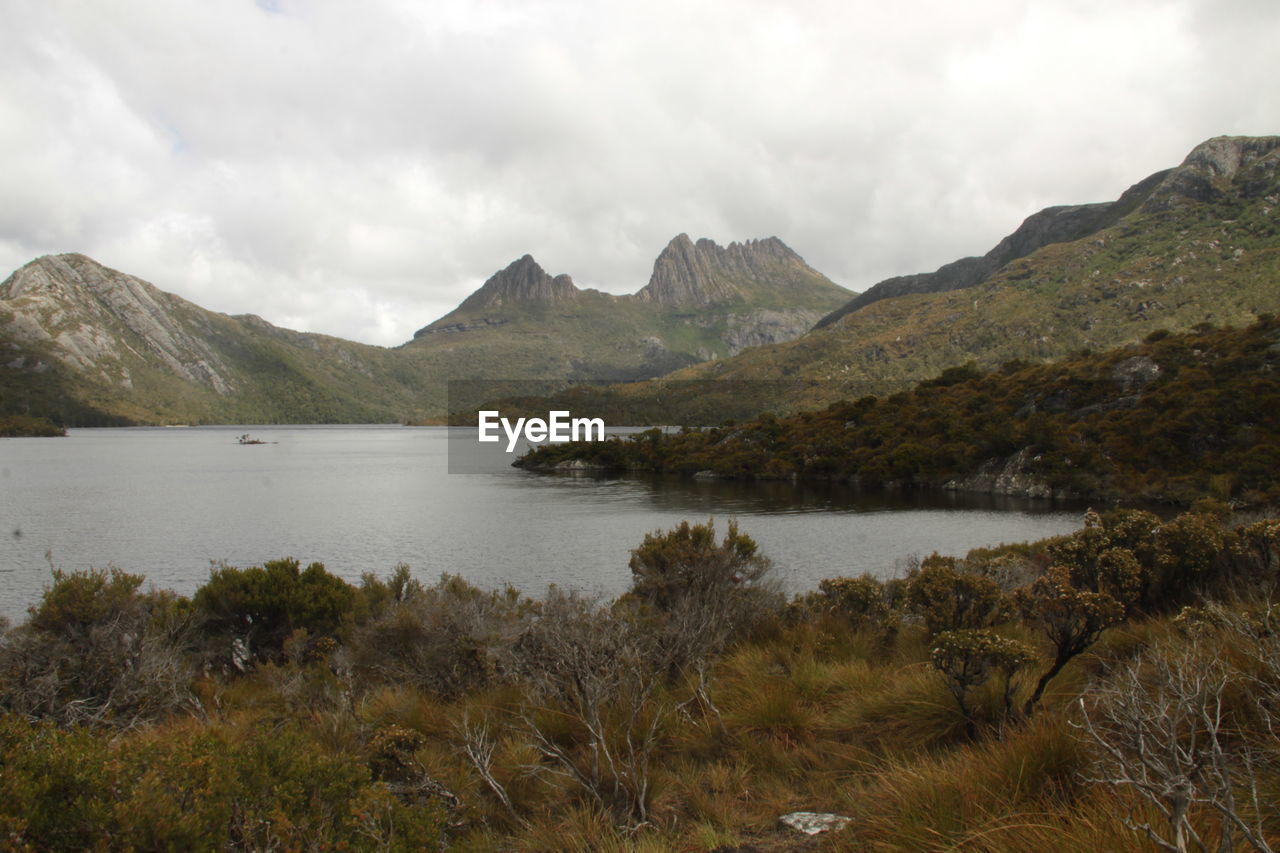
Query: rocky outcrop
{"points": [[1006, 477], [815, 823], [766, 326], [444, 328], [1134, 374], [1246, 164]]}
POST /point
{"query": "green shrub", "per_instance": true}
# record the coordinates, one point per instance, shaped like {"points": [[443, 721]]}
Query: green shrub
{"points": [[264, 605], [76, 601], [950, 600], [861, 598], [704, 594], [1192, 550], [687, 563]]}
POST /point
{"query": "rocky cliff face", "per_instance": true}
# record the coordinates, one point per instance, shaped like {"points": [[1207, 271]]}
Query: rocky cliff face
{"points": [[703, 273], [92, 318], [766, 326], [1249, 164]]}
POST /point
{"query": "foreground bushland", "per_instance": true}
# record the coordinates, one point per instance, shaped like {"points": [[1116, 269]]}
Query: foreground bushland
{"points": [[1114, 689]]}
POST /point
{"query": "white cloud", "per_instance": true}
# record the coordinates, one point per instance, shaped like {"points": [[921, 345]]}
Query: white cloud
{"points": [[357, 169]]}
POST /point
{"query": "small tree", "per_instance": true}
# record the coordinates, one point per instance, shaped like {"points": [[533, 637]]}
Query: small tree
{"points": [[968, 658], [951, 600], [1072, 618], [1112, 553]]}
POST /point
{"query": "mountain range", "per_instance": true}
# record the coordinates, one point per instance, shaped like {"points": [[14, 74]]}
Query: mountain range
{"points": [[1195, 244], [83, 344], [1192, 245]]}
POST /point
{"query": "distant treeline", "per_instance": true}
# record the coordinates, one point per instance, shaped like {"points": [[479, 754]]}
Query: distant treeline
{"points": [[1173, 418], [25, 426]]}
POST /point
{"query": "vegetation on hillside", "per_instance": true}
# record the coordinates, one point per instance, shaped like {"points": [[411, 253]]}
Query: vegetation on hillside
{"points": [[23, 425], [1173, 418], [1091, 691]]}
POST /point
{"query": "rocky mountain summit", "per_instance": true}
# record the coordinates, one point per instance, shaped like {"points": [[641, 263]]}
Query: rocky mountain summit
{"points": [[93, 317], [703, 273], [522, 281]]}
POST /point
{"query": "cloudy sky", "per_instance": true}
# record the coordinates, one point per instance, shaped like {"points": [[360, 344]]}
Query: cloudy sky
{"points": [[359, 168]]}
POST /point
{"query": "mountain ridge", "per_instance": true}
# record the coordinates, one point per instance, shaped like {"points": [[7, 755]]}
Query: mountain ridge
{"points": [[1189, 182], [1198, 243], [90, 344]]}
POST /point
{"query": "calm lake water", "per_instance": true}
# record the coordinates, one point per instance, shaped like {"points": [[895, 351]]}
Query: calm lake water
{"points": [[166, 503]]}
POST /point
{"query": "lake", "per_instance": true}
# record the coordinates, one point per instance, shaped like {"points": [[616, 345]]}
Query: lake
{"points": [[169, 502]]}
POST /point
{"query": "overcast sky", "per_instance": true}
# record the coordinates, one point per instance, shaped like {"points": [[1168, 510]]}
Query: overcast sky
{"points": [[359, 168]]}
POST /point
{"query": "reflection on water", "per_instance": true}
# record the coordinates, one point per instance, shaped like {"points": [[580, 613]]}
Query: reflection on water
{"points": [[168, 502], [776, 496]]}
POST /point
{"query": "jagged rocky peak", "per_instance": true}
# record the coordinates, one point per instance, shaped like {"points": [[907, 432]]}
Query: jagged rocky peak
{"points": [[704, 273], [521, 281]]}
